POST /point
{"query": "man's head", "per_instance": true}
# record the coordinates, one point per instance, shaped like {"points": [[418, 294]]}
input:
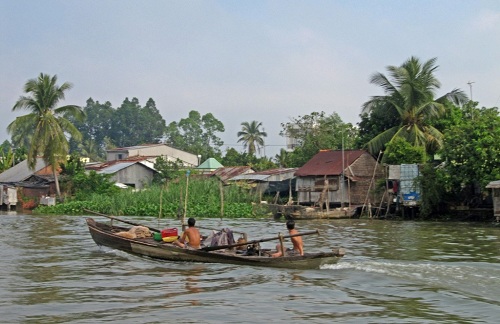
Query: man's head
{"points": [[290, 225], [191, 222]]}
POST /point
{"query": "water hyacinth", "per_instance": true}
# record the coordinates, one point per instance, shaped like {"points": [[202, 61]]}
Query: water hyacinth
{"points": [[166, 201]]}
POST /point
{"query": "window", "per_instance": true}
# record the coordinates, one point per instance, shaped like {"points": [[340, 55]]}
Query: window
{"points": [[333, 184]]}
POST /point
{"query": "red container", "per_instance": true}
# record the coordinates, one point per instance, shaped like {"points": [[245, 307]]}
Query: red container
{"points": [[167, 232]]}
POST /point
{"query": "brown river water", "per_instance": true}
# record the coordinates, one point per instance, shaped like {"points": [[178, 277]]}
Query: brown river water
{"points": [[393, 272]]}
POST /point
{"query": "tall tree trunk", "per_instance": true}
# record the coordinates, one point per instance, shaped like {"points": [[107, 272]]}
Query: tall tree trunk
{"points": [[58, 191]]}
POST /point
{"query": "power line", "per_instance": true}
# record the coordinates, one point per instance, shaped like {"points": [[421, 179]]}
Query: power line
{"points": [[244, 145]]}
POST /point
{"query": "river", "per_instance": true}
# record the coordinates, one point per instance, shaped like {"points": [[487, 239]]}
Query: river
{"points": [[393, 272]]}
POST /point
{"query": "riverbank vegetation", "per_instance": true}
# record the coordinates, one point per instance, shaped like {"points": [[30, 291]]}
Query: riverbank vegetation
{"points": [[454, 140], [204, 198]]}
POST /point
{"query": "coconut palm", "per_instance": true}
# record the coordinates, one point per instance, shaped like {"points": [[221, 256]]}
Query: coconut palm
{"points": [[410, 92], [46, 124], [90, 149], [251, 136]]}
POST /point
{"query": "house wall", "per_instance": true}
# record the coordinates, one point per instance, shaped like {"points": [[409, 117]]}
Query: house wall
{"points": [[35, 192], [136, 175], [496, 203], [348, 191], [281, 176], [309, 189], [157, 150], [8, 196], [364, 169]]}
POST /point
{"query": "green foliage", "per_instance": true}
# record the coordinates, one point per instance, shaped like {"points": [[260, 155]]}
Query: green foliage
{"points": [[263, 163], [432, 184], [378, 119], [315, 132], [452, 116], [86, 184], [134, 125], [72, 166], [410, 97], [6, 159], [282, 159], [167, 170], [196, 134], [69, 170], [204, 200], [46, 124], [299, 156], [5, 147], [107, 127], [472, 151], [234, 158], [251, 136], [94, 129], [399, 151]]}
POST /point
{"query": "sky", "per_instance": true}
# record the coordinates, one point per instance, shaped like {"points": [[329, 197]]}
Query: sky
{"points": [[269, 61]]}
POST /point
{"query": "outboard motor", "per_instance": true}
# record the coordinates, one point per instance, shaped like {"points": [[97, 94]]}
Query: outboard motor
{"points": [[253, 249]]}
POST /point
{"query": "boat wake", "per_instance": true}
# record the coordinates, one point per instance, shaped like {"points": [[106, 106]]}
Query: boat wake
{"points": [[472, 277]]}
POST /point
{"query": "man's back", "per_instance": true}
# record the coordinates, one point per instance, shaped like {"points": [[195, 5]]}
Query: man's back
{"points": [[193, 237], [298, 245]]}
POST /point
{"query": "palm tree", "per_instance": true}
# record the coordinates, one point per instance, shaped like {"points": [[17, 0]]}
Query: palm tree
{"points": [[90, 149], [410, 93], [46, 124], [282, 158], [251, 136]]}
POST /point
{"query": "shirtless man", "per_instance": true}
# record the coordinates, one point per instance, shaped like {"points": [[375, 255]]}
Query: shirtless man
{"points": [[191, 236], [298, 245]]}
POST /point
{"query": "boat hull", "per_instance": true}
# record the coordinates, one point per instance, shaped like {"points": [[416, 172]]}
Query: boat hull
{"points": [[104, 235]]}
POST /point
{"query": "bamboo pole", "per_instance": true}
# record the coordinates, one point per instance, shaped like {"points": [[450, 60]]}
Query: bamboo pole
{"points": [[121, 220], [220, 247], [370, 184], [217, 230], [161, 203], [282, 245], [221, 194], [185, 201]]}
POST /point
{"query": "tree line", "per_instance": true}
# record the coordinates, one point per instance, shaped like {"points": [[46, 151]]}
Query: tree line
{"points": [[409, 123]]}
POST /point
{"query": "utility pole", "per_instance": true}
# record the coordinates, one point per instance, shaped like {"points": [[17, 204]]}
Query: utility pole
{"points": [[342, 175], [470, 87], [472, 110]]}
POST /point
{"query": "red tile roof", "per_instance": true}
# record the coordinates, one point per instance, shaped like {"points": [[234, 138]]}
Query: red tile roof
{"points": [[328, 162]]}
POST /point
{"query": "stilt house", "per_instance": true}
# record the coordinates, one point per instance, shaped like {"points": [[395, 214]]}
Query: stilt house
{"points": [[339, 178]]}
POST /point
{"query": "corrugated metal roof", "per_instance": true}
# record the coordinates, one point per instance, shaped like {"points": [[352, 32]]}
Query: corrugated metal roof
{"points": [[111, 169], [276, 171], [328, 162], [251, 176], [135, 159], [136, 147], [226, 173], [120, 165], [493, 184], [21, 172], [263, 175]]}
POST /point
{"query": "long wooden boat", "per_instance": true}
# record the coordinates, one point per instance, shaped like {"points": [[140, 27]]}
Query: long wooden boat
{"points": [[105, 234], [304, 212]]}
